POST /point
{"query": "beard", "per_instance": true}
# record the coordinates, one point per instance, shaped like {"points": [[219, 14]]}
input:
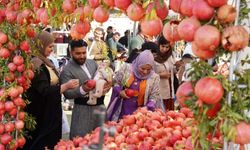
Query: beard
{"points": [[79, 61]]}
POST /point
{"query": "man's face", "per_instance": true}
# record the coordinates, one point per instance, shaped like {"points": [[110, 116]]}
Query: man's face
{"points": [[79, 55], [98, 35], [116, 37]]}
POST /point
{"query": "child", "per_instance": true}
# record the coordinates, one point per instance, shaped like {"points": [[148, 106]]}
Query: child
{"points": [[103, 75]]}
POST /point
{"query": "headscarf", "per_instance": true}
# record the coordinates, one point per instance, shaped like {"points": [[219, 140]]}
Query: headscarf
{"points": [[144, 58], [44, 39], [162, 57]]}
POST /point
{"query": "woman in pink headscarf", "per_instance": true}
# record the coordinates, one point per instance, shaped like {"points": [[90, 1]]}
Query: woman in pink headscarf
{"points": [[140, 78]]}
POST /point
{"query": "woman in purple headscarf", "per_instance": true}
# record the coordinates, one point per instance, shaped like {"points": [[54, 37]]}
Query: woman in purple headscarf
{"points": [[140, 78]]}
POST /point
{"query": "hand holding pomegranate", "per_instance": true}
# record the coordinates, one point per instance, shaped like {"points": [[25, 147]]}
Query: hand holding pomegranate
{"points": [[124, 95], [89, 85]]}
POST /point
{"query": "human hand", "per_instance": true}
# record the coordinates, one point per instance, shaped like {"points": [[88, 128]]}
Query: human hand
{"points": [[86, 87], [107, 87], [73, 83], [165, 74], [123, 94]]}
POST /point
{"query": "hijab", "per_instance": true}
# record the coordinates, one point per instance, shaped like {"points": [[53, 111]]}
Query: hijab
{"points": [[44, 39], [144, 58], [162, 57]]}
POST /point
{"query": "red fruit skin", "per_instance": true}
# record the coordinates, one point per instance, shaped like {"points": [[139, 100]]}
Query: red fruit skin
{"points": [[130, 92], [91, 84], [209, 90], [212, 112]]}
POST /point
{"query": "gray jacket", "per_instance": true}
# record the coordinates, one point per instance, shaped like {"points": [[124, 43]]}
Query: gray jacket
{"points": [[74, 71]]}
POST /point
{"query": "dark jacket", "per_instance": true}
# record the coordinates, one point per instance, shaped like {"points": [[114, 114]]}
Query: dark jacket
{"points": [[45, 106]]}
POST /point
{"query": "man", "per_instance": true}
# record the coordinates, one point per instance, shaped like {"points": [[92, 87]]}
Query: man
{"points": [[97, 48], [137, 41], [124, 40], [83, 119]]}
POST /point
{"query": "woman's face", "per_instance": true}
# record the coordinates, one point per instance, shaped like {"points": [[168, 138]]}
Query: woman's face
{"points": [[144, 70], [48, 50], [165, 48]]}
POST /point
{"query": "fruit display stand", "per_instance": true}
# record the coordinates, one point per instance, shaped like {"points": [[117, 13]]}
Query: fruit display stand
{"points": [[218, 104]]}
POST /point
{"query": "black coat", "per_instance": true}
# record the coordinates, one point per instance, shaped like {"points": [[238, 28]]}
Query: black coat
{"points": [[45, 106]]}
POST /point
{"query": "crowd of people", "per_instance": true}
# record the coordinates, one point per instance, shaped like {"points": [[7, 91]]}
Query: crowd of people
{"points": [[150, 71]]}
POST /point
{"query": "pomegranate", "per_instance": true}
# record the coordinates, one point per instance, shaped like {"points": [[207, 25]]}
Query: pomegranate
{"points": [[88, 12], [74, 34], [1, 128], [21, 115], [68, 6], [202, 10], [20, 68], [212, 112], [36, 3], [170, 31], [110, 3], [19, 124], [146, 26], [101, 14], [130, 92], [3, 37], [216, 3], [4, 53], [91, 84], [175, 5], [44, 17], [11, 46], [186, 7], [21, 141], [9, 127], [242, 134], [12, 67], [135, 12], [187, 28], [18, 60], [31, 32], [183, 92], [209, 90], [93, 3], [29, 74], [161, 9], [11, 16], [226, 14], [9, 77], [235, 38], [83, 27], [5, 138], [202, 54], [79, 12], [122, 4], [24, 45], [207, 37]]}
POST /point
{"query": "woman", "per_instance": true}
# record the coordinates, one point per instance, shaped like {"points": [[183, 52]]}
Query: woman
{"points": [[45, 98], [139, 77], [165, 67]]}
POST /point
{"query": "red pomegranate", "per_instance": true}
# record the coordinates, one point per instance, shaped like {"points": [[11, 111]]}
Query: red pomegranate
{"points": [[187, 28], [68, 6], [235, 38], [207, 37], [170, 31], [122, 4], [101, 14], [83, 27], [94, 3], [216, 3], [80, 13], [3, 37], [175, 5], [226, 14], [135, 12], [151, 27], [186, 7], [202, 54], [74, 34], [202, 10], [242, 133], [209, 90], [183, 92], [110, 3], [161, 9], [88, 12]]}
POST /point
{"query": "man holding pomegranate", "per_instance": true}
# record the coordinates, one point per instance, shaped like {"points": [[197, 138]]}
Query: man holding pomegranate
{"points": [[83, 119]]}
